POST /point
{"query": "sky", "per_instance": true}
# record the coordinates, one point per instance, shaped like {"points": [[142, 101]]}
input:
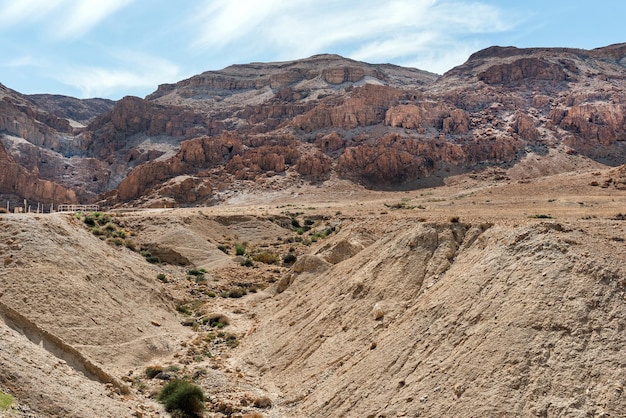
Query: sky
{"points": [[115, 48]]}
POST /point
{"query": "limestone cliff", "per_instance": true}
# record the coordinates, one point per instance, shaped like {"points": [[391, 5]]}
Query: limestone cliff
{"points": [[382, 126]]}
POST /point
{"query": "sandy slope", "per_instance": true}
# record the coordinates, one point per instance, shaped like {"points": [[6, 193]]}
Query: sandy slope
{"points": [[399, 312]]}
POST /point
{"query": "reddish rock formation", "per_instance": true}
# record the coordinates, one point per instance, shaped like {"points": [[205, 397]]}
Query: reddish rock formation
{"points": [[426, 115], [314, 166], [379, 125], [205, 152], [525, 127], [16, 183], [524, 68]]}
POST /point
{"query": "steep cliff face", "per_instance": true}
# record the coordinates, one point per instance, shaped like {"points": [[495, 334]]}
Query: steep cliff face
{"points": [[78, 111], [383, 131], [17, 183], [326, 116]]}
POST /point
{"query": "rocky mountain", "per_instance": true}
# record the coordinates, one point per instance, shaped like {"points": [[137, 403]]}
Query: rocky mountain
{"points": [[326, 117]]}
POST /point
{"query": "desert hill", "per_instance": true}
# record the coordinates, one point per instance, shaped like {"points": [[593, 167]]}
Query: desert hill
{"points": [[490, 295], [323, 238], [322, 118]]}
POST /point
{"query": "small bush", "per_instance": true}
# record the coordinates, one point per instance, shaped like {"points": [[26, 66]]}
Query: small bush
{"points": [[290, 258], [162, 277], [223, 248], [183, 396], [266, 258], [183, 308], [152, 371], [295, 223], [454, 219], [541, 216], [231, 341], [149, 257], [237, 292], [115, 241], [196, 272], [247, 262], [6, 401], [240, 248]]}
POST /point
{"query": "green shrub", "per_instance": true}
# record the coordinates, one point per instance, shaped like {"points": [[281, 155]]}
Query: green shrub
{"points": [[152, 371], [196, 272], [240, 248], [290, 258], [182, 396], [149, 257], [223, 248], [162, 277], [6, 401], [183, 308]]}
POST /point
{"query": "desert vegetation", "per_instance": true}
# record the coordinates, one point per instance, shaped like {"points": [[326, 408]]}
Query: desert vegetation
{"points": [[182, 399]]}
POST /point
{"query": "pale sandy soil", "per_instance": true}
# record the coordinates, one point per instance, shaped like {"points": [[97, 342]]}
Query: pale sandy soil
{"points": [[432, 302]]}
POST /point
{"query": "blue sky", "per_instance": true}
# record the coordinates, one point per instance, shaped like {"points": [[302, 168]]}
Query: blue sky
{"points": [[114, 48]]}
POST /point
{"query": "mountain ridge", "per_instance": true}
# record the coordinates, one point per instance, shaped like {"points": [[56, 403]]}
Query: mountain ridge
{"points": [[378, 125]]}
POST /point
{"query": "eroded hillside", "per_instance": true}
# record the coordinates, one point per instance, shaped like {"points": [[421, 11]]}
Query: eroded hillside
{"points": [[492, 296], [319, 120]]}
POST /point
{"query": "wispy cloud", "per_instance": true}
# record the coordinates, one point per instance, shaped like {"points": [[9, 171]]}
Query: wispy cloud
{"points": [[147, 72], [22, 61], [396, 30], [60, 19]]}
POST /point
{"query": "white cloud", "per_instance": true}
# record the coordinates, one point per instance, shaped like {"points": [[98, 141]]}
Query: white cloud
{"points": [[59, 18], [397, 30], [23, 61], [147, 72], [83, 15]]}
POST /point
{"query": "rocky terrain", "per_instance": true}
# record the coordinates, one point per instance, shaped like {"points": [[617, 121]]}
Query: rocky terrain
{"points": [[321, 118], [493, 294], [323, 237]]}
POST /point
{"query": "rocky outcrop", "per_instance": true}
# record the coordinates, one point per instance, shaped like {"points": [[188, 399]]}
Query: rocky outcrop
{"points": [[16, 183], [364, 106], [425, 115], [524, 68], [205, 152], [20, 118], [525, 127], [132, 116], [382, 126], [323, 71], [78, 110], [314, 166]]}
